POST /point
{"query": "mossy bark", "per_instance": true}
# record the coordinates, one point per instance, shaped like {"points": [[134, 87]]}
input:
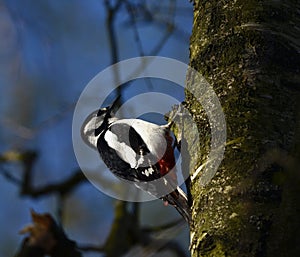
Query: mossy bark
{"points": [[249, 53]]}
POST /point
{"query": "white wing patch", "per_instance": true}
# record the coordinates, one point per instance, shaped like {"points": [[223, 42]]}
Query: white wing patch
{"points": [[153, 135], [124, 151]]}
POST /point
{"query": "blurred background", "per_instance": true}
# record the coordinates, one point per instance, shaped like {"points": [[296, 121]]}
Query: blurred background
{"points": [[49, 51]]}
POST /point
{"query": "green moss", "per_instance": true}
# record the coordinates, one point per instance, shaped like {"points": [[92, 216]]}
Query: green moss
{"points": [[240, 58]]}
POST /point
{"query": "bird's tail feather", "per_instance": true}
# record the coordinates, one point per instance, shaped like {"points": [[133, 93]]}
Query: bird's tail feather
{"points": [[179, 200]]}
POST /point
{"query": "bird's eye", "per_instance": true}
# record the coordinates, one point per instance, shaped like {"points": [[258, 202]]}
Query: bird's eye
{"points": [[102, 111]]}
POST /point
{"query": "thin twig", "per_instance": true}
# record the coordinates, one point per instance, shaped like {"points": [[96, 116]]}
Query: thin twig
{"points": [[6, 174]]}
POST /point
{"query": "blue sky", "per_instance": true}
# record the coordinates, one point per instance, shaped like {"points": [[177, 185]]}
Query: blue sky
{"points": [[49, 51]]}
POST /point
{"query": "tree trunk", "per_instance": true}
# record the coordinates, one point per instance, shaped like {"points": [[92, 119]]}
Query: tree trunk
{"points": [[249, 53]]}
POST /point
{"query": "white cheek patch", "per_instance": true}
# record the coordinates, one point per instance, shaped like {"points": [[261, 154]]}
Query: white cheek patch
{"points": [[88, 130], [125, 152], [92, 140]]}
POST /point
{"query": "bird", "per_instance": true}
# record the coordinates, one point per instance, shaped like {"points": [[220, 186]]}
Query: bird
{"points": [[138, 151]]}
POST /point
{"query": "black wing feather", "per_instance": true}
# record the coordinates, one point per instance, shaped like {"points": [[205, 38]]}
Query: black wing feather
{"points": [[128, 135]]}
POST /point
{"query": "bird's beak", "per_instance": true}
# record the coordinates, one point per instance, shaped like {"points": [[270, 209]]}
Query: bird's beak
{"points": [[113, 106], [116, 103]]}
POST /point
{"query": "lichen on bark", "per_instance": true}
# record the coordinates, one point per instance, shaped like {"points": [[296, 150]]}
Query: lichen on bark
{"points": [[253, 64]]}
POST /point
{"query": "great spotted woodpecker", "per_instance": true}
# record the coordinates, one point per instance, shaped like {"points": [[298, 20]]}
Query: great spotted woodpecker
{"points": [[137, 151]]}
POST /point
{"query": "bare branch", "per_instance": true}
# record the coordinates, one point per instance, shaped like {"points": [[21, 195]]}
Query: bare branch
{"points": [[62, 188]]}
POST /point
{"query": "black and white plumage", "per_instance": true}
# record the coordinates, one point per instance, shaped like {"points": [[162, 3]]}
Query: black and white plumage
{"points": [[138, 151]]}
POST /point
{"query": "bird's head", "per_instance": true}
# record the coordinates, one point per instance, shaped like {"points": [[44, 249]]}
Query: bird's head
{"points": [[97, 122]]}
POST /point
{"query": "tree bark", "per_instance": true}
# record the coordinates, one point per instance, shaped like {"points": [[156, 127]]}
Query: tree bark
{"points": [[249, 53]]}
